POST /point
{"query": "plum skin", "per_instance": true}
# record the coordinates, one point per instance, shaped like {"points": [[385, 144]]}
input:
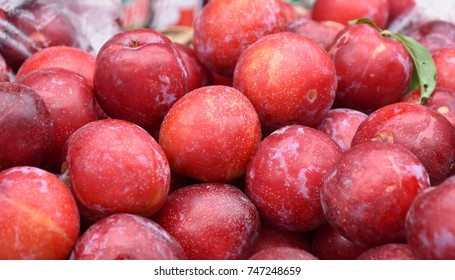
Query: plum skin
{"points": [[367, 193]]}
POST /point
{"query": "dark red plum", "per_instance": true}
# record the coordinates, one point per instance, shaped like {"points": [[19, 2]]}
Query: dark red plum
{"points": [[225, 28], [388, 252], [126, 237], [285, 175], [71, 103], [341, 125], [139, 75], [430, 227], [270, 237], [372, 70], [321, 32], [25, 124], [368, 191], [210, 221], [282, 253], [114, 166], [343, 11], [426, 133], [329, 244], [441, 100]]}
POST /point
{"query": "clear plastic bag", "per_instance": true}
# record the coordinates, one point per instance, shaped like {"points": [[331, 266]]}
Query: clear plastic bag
{"points": [[423, 12], [29, 26], [432, 23]]}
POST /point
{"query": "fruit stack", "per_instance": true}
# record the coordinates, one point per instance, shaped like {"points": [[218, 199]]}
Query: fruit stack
{"points": [[281, 131]]}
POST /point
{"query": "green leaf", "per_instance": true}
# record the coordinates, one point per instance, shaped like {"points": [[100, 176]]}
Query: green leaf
{"points": [[366, 20], [423, 64], [424, 75]]}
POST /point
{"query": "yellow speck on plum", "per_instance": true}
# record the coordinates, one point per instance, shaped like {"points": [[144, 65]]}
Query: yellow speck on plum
{"points": [[312, 95], [443, 110], [383, 136]]}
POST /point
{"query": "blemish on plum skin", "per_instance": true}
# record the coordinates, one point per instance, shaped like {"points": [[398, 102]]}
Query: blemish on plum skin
{"points": [[312, 95], [383, 136], [443, 110]]}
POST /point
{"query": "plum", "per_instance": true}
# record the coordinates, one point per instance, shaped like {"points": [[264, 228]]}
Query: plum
{"points": [[126, 237], [366, 194], [114, 166], [71, 104], [288, 78], [329, 244], [210, 134], [282, 253], [341, 125], [285, 175], [139, 75], [389, 251], [430, 227], [38, 215], [441, 100], [423, 131], [372, 70], [210, 221], [26, 126], [225, 28], [343, 11]]}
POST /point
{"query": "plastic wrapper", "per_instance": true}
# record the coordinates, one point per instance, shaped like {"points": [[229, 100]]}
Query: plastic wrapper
{"points": [[431, 23], [168, 13], [27, 26], [423, 12]]}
